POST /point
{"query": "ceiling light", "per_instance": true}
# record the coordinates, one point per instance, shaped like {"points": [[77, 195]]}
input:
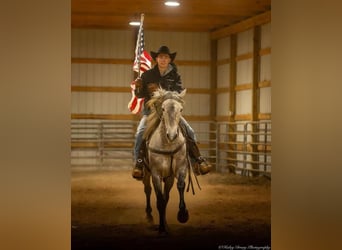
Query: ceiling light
{"points": [[134, 23], [172, 3]]}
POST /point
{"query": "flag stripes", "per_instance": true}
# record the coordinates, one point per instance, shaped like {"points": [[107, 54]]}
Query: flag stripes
{"points": [[142, 62]]}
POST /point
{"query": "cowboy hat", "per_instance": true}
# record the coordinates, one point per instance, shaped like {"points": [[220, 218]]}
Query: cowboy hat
{"points": [[163, 50]]}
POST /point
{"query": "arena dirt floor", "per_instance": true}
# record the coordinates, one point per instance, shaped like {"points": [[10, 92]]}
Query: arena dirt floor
{"points": [[229, 212]]}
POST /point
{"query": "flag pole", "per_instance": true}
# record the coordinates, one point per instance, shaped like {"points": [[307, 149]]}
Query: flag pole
{"points": [[139, 40], [143, 61]]}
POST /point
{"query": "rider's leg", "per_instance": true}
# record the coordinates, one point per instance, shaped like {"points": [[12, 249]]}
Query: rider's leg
{"points": [[201, 165], [139, 150]]}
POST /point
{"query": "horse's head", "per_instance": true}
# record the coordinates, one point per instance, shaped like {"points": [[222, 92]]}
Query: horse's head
{"points": [[165, 106], [171, 112], [168, 106]]}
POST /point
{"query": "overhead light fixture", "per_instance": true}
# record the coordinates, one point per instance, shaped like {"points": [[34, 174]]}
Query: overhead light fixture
{"points": [[172, 3], [134, 23]]}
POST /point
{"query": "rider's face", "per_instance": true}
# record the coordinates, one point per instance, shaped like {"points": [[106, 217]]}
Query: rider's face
{"points": [[163, 60]]}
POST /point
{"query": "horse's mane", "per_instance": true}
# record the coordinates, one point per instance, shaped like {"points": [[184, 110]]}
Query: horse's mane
{"points": [[154, 118]]}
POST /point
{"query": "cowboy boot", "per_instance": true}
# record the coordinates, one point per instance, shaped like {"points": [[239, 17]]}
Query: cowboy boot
{"points": [[138, 170], [200, 166]]}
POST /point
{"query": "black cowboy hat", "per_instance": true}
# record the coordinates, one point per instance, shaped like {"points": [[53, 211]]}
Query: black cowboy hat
{"points": [[163, 50]]}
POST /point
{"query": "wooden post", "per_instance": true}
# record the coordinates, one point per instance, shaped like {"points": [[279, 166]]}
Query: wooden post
{"points": [[232, 99], [213, 98], [255, 93]]}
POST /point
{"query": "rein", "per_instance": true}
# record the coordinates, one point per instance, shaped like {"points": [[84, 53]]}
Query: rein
{"points": [[165, 152]]}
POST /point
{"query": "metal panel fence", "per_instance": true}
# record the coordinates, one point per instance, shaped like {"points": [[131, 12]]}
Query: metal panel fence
{"points": [[244, 147], [101, 142], [239, 147]]}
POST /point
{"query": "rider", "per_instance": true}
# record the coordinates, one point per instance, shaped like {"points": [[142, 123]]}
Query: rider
{"points": [[163, 75]]}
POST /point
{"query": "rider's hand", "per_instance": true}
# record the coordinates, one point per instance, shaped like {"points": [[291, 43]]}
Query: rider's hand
{"points": [[152, 87], [138, 83]]}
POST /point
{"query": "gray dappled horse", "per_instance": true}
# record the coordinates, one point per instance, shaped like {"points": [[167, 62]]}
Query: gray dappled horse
{"points": [[167, 154]]}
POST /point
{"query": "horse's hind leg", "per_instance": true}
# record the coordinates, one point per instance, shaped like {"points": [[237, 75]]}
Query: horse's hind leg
{"points": [[148, 190], [183, 214]]}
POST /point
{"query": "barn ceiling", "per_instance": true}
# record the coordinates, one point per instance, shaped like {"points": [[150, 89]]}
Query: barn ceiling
{"points": [[191, 15]]}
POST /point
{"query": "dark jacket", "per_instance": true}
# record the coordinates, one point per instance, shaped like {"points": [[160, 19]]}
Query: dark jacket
{"points": [[170, 81]]}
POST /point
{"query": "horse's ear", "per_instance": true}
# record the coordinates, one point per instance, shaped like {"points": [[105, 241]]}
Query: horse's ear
{"points": [[182, 94]]}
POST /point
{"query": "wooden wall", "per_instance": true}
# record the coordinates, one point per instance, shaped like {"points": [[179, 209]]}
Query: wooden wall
{"points": [[244, 74], [102, 70], [226, 73]]}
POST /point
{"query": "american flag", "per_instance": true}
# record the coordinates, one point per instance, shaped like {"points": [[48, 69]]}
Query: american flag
{"points": [[142, 62], [142, 57]]}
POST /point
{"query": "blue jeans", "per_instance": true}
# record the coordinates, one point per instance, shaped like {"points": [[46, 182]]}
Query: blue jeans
{"points": [[141, 128]]}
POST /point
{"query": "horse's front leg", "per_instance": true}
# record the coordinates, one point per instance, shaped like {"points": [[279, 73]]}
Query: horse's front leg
{"points": [[148, 190], [161, 204], [183, 214], [168, 183]]}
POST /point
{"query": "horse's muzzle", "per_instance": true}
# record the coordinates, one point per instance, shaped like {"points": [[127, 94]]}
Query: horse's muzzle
{"points": [[172, 136]]}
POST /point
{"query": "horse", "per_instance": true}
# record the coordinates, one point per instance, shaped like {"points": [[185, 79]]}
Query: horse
{"points": [[166, 154]]}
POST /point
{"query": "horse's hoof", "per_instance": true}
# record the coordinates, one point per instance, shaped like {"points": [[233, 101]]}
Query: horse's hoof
{"points": [[162, 232], [183, 216]]}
